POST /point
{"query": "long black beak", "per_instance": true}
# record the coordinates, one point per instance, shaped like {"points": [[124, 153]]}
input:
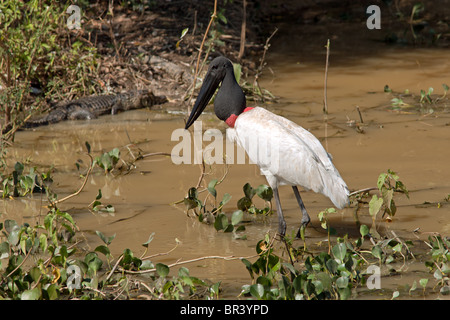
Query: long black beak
{"points": [[210, 84]]}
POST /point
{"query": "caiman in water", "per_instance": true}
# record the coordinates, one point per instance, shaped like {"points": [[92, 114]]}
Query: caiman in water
{"points": [[93, 106]]}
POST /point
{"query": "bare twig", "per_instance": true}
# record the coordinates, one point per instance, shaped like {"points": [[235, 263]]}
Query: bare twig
{"points": [[325, 106], [226, 258], [363, 190], [243, 28], [261, 64], [213, 17], [82, 186]]}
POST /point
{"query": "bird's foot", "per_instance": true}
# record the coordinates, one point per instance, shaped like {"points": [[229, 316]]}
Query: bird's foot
{"points": [[301, 230]]}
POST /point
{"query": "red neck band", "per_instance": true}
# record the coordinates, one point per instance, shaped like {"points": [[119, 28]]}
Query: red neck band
{"points": [[232, 119]]}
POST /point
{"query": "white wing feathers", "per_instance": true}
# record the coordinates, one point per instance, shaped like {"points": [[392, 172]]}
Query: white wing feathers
{"points": [[288, 154]]}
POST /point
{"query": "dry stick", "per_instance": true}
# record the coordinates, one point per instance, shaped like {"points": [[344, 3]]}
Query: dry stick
{"points": [[363, 190], [243, 28], [226, 258], [325, 105], [156, 154], [213, 17], [82, 186], [261, 65], [114, 268], [360, 115]]}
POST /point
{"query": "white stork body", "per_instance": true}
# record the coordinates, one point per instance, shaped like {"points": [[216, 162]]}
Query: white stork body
{"points": [[287, 154]]}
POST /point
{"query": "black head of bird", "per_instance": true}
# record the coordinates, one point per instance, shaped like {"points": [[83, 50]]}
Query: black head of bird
{"points": [[230, 99]]}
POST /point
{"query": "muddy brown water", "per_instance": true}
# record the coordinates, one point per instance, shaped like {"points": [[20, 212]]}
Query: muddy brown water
{"points": [[414, 145]]}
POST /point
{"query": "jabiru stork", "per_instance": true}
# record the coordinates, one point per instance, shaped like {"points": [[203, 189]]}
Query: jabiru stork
{"points": [[301, 158]]}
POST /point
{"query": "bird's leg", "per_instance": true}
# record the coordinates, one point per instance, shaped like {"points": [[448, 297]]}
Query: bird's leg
{"points": [[305, 216], [281, 221]]}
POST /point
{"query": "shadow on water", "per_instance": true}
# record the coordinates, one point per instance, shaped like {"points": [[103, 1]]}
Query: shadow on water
{"points": [[412, 144]]}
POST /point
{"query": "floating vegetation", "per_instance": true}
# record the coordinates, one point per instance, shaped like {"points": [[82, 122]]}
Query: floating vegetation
{"points": [[424, 103]]}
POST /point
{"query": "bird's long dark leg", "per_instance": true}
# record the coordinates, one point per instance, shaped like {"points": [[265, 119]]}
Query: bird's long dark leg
{"points": [[281, 221], [305, 216]]}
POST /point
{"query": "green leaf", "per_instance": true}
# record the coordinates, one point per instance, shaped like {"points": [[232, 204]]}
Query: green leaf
{"points": [[106, 240], [236, 217], [244, 203], [377, 252], [249, 191], [4, 250], [183, 33], [257, 290], [364, 230], [33, 294], [52, 292], [103, 249], [342, 282], [381, 180], [162, 270], [423, 282], [237, 68], [221, 222], [150, 239], [375, 205], [264, 192], [339, 251], [225, 199], [212, 187]]}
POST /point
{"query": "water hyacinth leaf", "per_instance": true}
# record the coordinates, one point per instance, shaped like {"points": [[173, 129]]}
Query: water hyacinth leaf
{"points": [[257, 290], [162, 270], [339, 251], [103, 249], [106, 240], [225, 199], [342, 282], [377, 252], [249, 191], [236, 217], [150, 239], [33, 294], [4, 250], [13, 230], [212, 188], [244, 203], [325, 280], [264, 192], [221, 222]]}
